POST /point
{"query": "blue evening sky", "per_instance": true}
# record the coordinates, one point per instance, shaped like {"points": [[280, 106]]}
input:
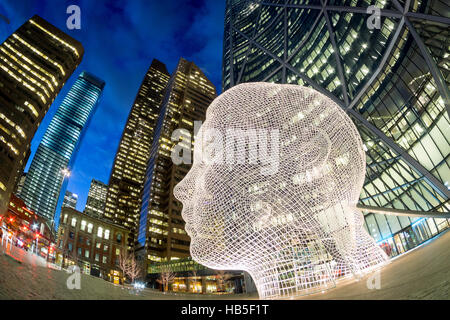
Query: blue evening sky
{"points": [[120, 39]]}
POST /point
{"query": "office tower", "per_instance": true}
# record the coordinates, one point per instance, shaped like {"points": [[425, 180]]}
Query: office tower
{"points": [[392, 79], [128, 171], [95, 204], [20, 183], [47, 176], [35, 62], [161, 234], [70, 200]]}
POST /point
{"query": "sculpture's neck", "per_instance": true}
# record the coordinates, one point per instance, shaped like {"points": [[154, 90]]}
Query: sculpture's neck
{"points": [[291, 273]]}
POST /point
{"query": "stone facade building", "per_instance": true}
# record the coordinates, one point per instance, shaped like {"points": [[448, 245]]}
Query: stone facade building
{"points": [[91, 243]]}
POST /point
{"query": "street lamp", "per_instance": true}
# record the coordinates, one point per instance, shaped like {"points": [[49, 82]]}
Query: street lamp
{"points": [[65, 172]]}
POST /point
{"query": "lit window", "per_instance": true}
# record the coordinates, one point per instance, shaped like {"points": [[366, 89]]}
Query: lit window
{"points": [[74, 222], [65, 218], [86, 253], [99, 232], [107, 234], [117, 252], [90, 226], [83, 225]]}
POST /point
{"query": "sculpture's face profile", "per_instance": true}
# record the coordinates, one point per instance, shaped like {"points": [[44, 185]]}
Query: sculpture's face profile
{"points": [[241, 206]]}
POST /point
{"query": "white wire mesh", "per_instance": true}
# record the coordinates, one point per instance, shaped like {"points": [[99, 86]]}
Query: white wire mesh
{"points": [[295, 231]]}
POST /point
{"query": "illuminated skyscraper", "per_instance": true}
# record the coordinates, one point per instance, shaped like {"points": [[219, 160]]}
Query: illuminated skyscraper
{"points": [[70, 200], [128, 171], [392, 80], [46, 179], [95, 204], [161, 234], [35, 62]]}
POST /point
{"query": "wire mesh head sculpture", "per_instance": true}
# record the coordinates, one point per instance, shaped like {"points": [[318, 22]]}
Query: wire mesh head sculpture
{"points": [[291, 222]]}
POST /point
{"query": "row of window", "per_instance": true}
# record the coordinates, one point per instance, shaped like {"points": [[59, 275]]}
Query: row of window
{"points": [[89, 227]]}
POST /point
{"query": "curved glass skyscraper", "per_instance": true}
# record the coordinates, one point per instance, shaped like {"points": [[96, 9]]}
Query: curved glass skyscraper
{"points": [[57, 150], [387, 63]]}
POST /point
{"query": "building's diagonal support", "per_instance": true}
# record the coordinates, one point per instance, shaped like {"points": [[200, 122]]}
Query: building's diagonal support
{"points": [[299, 6], [308, 35], [383, 12], [432, 180], [437, 185], [272, 73], [363, 10], [428, 17], [380, 66], [401, 212], [288, 66], [250, 46], [443, 89], [339, 66]]}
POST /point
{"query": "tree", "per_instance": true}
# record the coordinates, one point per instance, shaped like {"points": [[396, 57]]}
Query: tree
{"points": [[222, 276], [129, 266], [166, 276], [194, 275], [124, 262], [134, 270]]}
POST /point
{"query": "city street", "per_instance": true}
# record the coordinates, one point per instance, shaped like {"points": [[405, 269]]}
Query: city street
{"points": [[29, 280], [423, 273]]}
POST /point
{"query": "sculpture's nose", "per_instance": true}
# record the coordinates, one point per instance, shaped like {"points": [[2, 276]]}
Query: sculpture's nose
{"points": [[179, 191], [184, 190]]}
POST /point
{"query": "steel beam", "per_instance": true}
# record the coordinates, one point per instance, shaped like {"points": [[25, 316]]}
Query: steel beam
{"points": [[433, 181], [402, 212], [340, 69], [443, 89], [381, 65]]}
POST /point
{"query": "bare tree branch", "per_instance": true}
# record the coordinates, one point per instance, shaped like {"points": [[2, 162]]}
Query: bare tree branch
{"points": [[166, 276]]}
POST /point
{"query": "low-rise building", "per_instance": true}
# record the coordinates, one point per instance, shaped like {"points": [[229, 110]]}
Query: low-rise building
{"points": [[186, 275], [26, 229], [91, 243]]}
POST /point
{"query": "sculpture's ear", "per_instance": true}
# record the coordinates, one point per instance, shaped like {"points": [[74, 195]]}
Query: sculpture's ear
{"points": [[315, 148]]}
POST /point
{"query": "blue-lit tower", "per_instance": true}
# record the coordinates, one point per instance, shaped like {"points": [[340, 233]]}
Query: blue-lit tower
{"points": [[50, 168]]}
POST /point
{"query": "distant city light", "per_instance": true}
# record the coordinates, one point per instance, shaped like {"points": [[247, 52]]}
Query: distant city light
{"points": [[139, 285], [65, 172]]}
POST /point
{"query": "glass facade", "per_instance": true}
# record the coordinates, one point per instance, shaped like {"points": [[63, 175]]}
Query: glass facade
{"points": [[35, 62], [70, 200], [161, 228], [128, 172], [46, 179], [393, 81], [95, 204]]}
